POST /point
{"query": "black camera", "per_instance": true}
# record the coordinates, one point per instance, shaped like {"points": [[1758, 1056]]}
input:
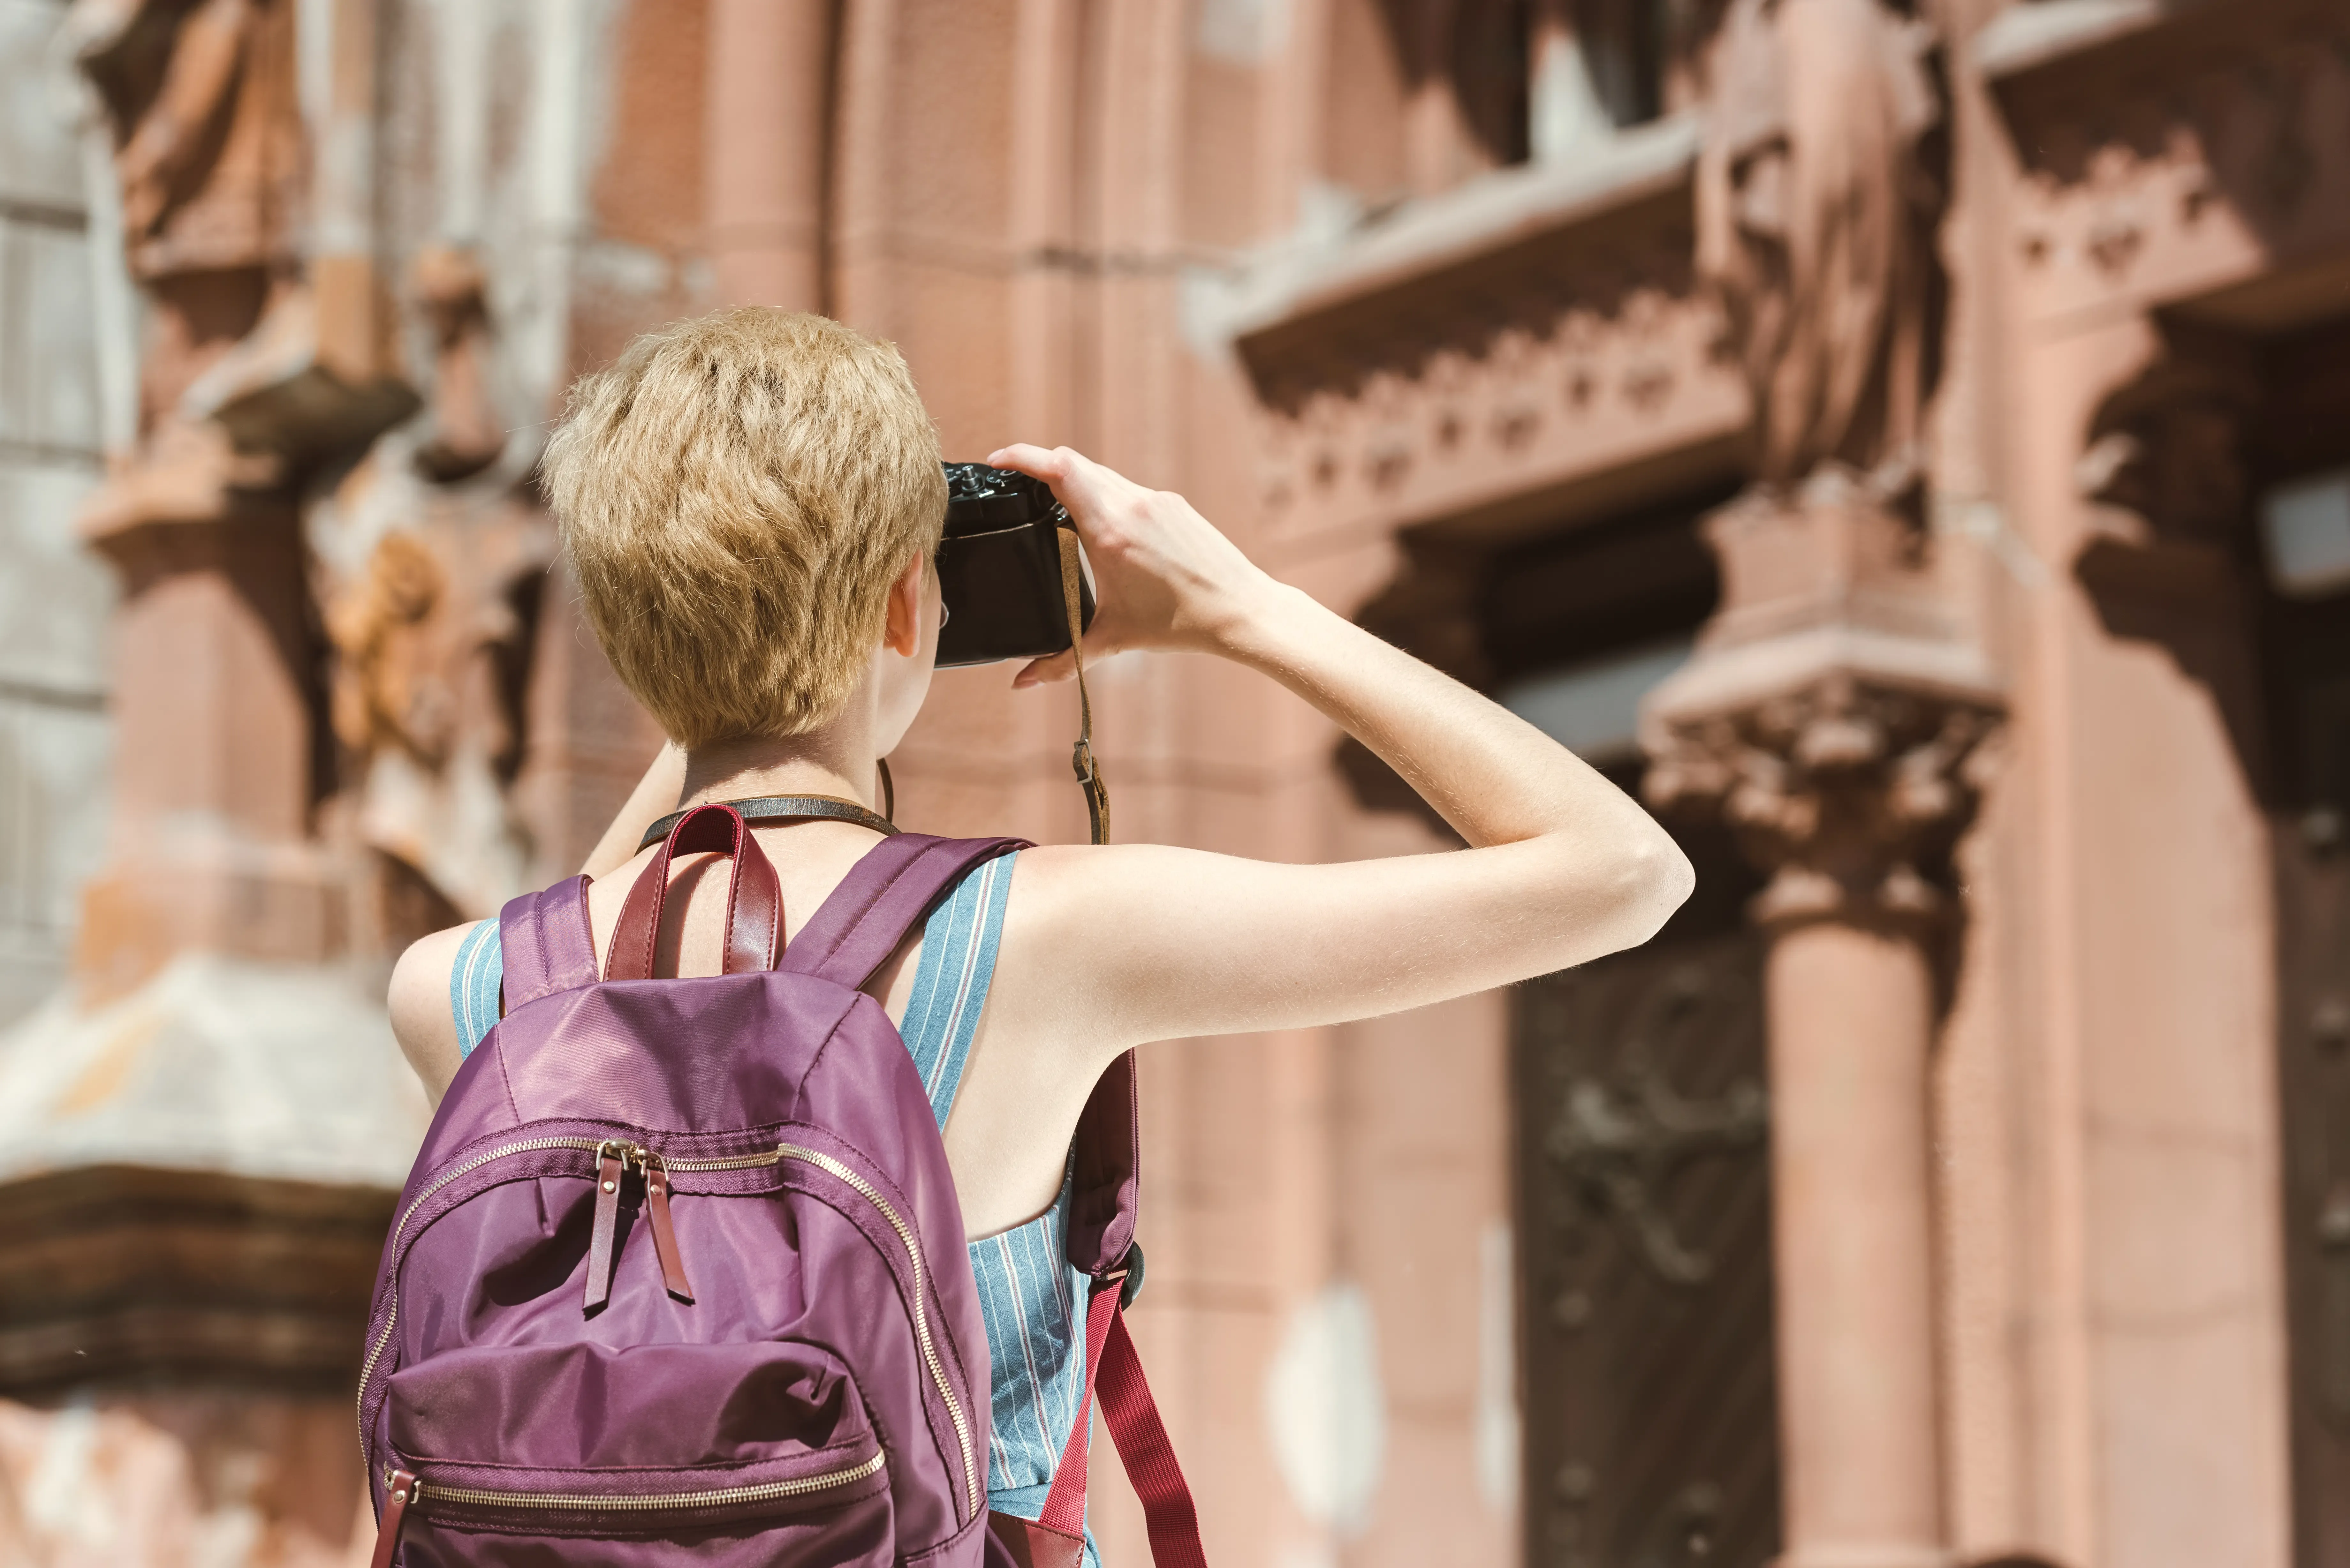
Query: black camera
{"points": [[1000, 568]]}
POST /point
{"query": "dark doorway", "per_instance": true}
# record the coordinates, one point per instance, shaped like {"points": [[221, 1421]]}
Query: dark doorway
{"points": [[2304, 430], [1644, 1202], [1643, 1172]]}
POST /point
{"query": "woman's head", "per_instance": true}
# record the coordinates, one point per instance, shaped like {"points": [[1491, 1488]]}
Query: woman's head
{"points": [[738, 495]]}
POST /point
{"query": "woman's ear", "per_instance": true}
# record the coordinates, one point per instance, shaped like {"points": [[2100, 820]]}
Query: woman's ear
{"points": [[903, 634]]}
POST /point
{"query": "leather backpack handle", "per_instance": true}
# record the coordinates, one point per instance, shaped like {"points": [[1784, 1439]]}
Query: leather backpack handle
{"points": [[754, 898]]}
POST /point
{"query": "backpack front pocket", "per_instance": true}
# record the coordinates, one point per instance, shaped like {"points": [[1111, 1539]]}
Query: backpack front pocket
{"points": [[830, 1506], [680, 1448]]}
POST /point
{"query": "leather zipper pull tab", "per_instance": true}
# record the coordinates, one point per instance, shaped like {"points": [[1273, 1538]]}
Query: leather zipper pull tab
{"points": [[672, 1261], [400, 1488], [610, 1168]]}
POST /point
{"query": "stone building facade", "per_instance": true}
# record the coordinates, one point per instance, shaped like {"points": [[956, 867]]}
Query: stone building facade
{"points": [[53, 598], [1908, 441]]}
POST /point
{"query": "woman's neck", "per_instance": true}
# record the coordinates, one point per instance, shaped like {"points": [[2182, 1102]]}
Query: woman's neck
{"points": [[818, 763]]}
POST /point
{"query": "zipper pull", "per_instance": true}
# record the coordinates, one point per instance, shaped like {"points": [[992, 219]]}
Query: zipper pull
{"points": [[611, 1166], [672, 1261], [400, 1488]]}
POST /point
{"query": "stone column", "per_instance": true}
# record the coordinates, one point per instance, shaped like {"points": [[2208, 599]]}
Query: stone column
{"points": [[1831, 717], [769, 117], [1849, 1011]]}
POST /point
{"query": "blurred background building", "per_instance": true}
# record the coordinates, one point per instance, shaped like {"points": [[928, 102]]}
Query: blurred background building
{"points": [[1909, 442]]}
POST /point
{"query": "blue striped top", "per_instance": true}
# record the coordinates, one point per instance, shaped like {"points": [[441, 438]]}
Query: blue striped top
{"points": [[1029, 1296]]}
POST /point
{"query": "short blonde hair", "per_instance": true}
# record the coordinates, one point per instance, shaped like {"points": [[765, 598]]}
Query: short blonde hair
{"points": [[736, 493]]}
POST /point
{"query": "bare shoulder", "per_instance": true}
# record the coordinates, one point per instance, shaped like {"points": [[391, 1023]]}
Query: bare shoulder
{"points": [[1088, 933], [419, 1003], [1061, 891]]}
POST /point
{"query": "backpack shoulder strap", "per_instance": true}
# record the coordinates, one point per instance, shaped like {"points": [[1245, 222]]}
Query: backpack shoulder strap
{"points": [[1106, 1191], [1101, 1244], [545, 942], [884, 895]]}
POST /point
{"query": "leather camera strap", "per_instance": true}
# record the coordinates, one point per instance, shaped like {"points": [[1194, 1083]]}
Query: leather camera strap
{"points": [[782, 809], [1081, 756]]}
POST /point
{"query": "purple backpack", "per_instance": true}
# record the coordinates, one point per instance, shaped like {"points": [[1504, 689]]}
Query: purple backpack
{"points": [[680, 1269]]}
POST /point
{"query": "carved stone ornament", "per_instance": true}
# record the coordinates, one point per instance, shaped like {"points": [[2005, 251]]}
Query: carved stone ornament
{"points": [[434, 641], [1845, 784], [2165, 480], [1617, 1141], [237, 399], [1834, 712], [452, 293], [1817, 202]]}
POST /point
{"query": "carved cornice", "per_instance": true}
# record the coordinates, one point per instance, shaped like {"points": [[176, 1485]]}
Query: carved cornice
{"points": [[1533, 344], [1606, 410], [2176, 153], [122, 1274], [1456, 272]]}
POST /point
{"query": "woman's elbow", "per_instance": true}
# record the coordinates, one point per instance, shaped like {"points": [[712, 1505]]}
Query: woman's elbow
{"points": [[1657, 879]]}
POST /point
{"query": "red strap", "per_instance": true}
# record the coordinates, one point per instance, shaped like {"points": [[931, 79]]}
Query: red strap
{"points": [[754, 898], [1132, 1417], [1065, 1505]]}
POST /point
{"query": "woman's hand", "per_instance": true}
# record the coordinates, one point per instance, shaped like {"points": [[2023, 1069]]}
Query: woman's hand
{"points": [[1163, 576]]}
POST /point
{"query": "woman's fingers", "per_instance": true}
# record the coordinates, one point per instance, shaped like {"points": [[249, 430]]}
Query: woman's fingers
{"points": [[1075, 479], [1086, 487], [1099, 644], [1044, 672], [1164, 576], [1036, 462]]}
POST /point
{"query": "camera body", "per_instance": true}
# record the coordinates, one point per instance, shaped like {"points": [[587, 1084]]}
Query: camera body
{"points": [[999, 568]]}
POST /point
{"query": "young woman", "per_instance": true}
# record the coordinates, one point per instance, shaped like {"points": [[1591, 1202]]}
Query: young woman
{"points": [[750, 502]]}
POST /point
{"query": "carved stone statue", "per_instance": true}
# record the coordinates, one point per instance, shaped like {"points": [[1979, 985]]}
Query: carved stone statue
{"points": [[212, 156], [1816, 212], [433, 644], [207, 125], [451, 292]]}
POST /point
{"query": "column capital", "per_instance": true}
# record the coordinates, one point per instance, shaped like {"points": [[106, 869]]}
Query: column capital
{"points": [[1835, 715]]}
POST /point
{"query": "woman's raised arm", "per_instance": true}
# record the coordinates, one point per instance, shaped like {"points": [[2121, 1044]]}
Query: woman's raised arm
{"points": [[1108, 948]]}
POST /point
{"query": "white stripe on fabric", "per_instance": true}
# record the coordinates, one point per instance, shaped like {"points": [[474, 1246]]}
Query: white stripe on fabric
{"points": [[1010, 1278], [1042, 1248], [1064, 1298], [475, 980], [981, 884], [980, 898], [922, 1040]]}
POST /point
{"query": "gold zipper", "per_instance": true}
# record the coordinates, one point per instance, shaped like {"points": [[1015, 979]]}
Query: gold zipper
{"points": [[392, 1318], [740, 1162], [723, 1497], [922, 1311]]}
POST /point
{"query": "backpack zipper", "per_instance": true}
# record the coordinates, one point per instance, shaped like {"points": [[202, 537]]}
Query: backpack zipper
{"points": [[825, 1162], [426, 1491], [403, 1490], [655, 1171], [392, 1318], [613, 1157], [781, 1152]]}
